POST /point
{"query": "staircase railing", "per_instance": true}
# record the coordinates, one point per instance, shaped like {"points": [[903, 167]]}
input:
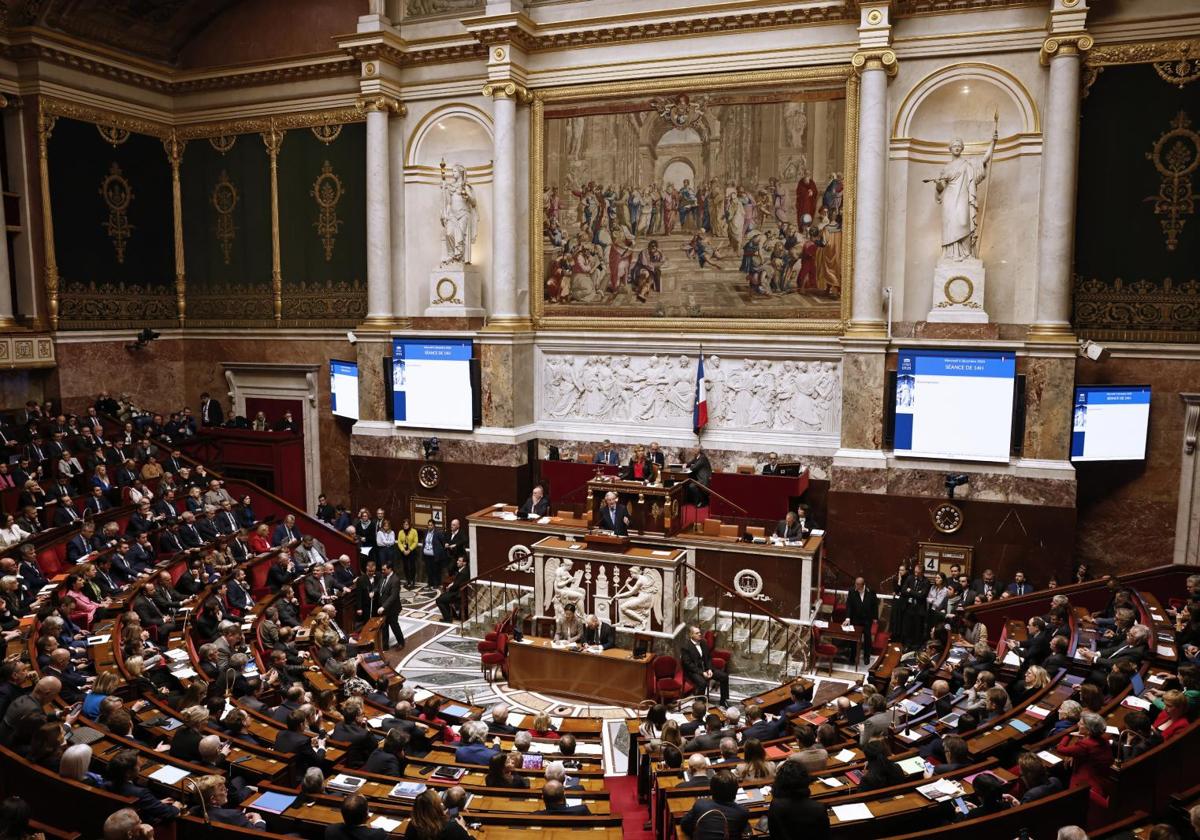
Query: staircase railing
{"points": [[481, 599], [755, 632]]}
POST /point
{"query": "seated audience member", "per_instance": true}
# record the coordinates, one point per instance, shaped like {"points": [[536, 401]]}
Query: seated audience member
{"points": [[697, 771], [793, 813], [500, 772], [1173, 718], [1036, 783], [556, 771], [542, 727], [308, 749], [1090, 753], [76, 764], [1138, 736], [473, 750], [756, 765], [388, 758], [121, 777], [880, 770], [214, 804], [554, 800], [354, 822], [723, 791], [989, 796], [810, 756], [957, 754], [430, 821], [536, 505]]}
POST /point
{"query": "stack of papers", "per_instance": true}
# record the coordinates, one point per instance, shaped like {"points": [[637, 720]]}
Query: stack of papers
{"points": [[1136, 703], [844, 756], [388, 825], [852, 812], [833, 783], [589, 749], [515, 718], [941, 790], [1164, 650], [407, 790], [421, 695], [916, 764], [168, 775], [1038, 712], [346, 784], [1011, 658], [1049, 757]]}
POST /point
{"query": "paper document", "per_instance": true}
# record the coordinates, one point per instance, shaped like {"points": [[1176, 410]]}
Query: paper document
{"points": [[844, 756], [556, 722], [388, 825], [833, 783], [661, 553], [1038, 712], [572, 802], [1011, 658], [421, 695], [1136, 703], [1049, 757], [169, 775], [916, 764], [1165, 650], [515, 718], [852, 812]]}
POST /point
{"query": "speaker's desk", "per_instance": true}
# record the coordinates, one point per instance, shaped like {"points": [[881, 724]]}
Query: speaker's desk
{"points": [[612, 677]]}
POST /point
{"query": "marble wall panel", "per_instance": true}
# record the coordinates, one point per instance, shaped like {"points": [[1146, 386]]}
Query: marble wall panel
{"points": [[862, 400], [496, 378], [1049, 392], [153, 376]]}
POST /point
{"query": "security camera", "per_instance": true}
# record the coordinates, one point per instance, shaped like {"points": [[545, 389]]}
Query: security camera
{"points": [[1092, 350], [955, 480], [351, 337]]}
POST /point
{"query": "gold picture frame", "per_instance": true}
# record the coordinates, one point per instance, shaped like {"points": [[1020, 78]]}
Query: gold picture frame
{"points": [[842, 74]]}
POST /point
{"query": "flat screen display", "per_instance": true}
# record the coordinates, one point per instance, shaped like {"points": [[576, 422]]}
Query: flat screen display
{"points": [[955, 404], [431, 383], [1110, 422], [343, 388]]}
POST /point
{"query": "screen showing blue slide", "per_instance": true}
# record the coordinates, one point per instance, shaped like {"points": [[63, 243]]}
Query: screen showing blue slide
{"points": [[343, 388], [431, 383], [954, 404], [1109, 422]]}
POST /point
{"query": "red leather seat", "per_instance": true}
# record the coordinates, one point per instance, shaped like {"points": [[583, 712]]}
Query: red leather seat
{"points": [[667, 685], [823, 651], [497, 658], [722, 659], [48, 562], [879, 638]]}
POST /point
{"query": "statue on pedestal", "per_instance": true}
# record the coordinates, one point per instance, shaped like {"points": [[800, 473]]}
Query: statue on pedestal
{"points": [[460, 217]]}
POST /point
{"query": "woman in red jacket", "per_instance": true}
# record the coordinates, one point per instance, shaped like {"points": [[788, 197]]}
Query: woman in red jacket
{"points": [[260, 540], [1173, 718], [1090, 753]]}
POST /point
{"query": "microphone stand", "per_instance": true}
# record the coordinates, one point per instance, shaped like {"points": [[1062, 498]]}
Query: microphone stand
{"points": [[190, 782]]}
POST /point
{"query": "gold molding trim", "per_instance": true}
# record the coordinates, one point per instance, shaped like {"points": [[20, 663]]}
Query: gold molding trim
{"points": [[1141, 52], [100, 116], [273, 140], [382, 102], [878, 59], [724, 81], [327, 192], [46, 121], [175, 148], [224, 200], [507, 89], [118, 195], [1073, 44]]}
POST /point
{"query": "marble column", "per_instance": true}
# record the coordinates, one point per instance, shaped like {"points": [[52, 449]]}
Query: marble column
{"points": [[502, 308], [399, 286], [6, 301], [379, 215], [866, 311], [1056, 210]]}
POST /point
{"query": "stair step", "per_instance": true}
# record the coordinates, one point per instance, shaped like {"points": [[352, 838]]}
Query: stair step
{"points": [[758, 646], [707, 614]]}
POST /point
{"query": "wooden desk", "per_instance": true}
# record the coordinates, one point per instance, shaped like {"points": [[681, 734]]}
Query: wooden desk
{"points": [[652, 508], [613, 677]]}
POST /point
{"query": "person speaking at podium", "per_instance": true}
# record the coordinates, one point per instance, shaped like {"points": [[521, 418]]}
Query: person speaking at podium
{"points": [[614, 516], [536, 505]]}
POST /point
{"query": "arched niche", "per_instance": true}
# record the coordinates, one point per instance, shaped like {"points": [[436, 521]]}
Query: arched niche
{"points": [[959, 100], [457, 133]]}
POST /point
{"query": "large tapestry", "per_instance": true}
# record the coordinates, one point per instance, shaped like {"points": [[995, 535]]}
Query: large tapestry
{"points": [[1137, 245], [712, 201]]}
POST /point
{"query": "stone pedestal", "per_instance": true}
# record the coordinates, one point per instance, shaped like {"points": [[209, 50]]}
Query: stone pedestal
{"points": [[958, 292], [454, 293]]}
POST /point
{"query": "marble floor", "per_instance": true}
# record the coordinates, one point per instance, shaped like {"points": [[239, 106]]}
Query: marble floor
{"points": [[440, 659]]}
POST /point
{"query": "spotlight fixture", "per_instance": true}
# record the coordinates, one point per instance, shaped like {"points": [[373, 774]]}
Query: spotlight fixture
{"points": [[142, 340], [953, 481], [430, 445], [1094, 351], [351, 337]]}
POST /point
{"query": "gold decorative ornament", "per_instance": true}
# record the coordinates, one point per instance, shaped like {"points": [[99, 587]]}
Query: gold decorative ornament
{"points": [[954, 285], [1065, 45], [327, 192], [327, 133], [508, 89], [273, 139], [498, 54], [369, 68], [382, 102], [118, 195], [1179, 72], [428, 476], [878, 59], [874, 17], [113, 135], [947, 517], [1176, 154], [224, 200], [46, 121], [174, 147], [447, 291], [223, 143]]}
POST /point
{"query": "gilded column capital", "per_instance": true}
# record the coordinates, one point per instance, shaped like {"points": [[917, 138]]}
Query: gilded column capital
{"points": [[507, 88], [382, 102], [1076, 43], [877, 59]]}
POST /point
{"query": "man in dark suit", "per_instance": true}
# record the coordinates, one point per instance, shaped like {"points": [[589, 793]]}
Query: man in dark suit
{"points": [[295, 741], [389, 606], [772, 465], [1133, 648], [987, 587], [388, 758], [473, 750], [456, 542], [655, 455], [354, 822], [1058, 658], [723, 787], [210, 411], [536, 505], [149, 612], [789, 529], [286, 531], [366, 591], [499, 723], [1036, 647], [281, 572], [597, 632], [82, 543], [760, 727], [701, 474], [862, 608], [614, 516], [448, 600], [97, 504], [607, 455], [554, 797], [697, 665], [65, 513], [698, 710], [1019, 586]]}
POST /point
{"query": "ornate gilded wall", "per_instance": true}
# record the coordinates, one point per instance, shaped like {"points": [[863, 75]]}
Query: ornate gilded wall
{"points": [[1137, 246]]}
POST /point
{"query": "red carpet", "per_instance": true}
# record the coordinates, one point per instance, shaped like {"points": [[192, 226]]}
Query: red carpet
{"points": [[622, 793]]}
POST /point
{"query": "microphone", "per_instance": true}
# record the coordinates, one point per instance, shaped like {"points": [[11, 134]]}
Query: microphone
{"points": [[190, 782]]}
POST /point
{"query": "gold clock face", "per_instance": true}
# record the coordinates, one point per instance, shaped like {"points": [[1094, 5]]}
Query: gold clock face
{"points": [[947, 518], [429, 476]]}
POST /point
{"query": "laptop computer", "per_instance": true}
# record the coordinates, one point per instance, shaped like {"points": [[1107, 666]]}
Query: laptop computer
{"points": [[855, 714], [1137, 684]]}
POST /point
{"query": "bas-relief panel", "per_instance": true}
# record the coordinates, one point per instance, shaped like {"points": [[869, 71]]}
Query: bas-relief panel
{"points": [[770, 396], [695, 204]]}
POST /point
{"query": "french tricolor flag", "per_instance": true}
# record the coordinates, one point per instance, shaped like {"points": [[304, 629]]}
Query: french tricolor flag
{"points": [[700, 411]]}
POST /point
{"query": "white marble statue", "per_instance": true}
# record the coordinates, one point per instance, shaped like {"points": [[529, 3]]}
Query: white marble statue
{"points": [[640, 598], [750, 394], [564, 587], [957, 187], [460, 217]]}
